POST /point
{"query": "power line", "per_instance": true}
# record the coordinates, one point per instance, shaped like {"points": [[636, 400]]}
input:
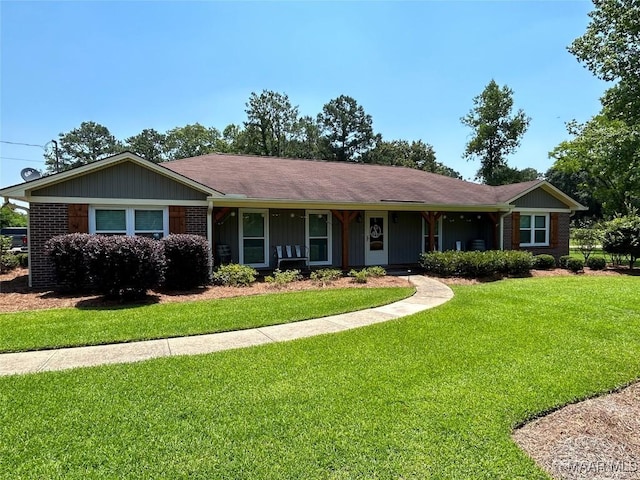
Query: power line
{"points": [[20, 143], [22, 159]]}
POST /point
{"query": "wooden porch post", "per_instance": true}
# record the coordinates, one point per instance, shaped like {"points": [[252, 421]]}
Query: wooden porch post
{"points": [[431, 218], [345, 218]]}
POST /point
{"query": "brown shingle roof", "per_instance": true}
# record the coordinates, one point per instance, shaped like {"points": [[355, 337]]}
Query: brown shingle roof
{"points": [[293, 179]]}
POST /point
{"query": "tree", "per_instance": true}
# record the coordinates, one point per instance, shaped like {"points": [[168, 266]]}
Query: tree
{"points": [[505, 175], [10, 218], [308, 141], [86, 144], [149, 144], [575, 183], [622, 237], [191, 141], [271, 123], [347, 128], [607, 152], [610, 47], [497, 131], [418, 155]]}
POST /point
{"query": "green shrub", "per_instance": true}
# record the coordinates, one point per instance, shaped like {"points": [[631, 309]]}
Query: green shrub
{"points": [[8, 262], [359, 276], [70, 264], [596, 263], [234, 275], [563, 261], [544, 262], [282, 278], [375, 272], [325, 275], [23, 259], [123, 266], [476, 264], [575, 265], [518, 262], [187, 259]]}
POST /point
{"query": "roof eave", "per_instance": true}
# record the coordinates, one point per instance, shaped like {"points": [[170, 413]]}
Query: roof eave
{"points": [[231, 201]]}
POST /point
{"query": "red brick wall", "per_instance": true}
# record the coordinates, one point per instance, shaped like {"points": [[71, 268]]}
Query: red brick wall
{"points": [[46, 220], [562, 248], [196, 220]]}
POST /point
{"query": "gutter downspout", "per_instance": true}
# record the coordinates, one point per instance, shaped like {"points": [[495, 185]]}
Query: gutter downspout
{"points": [[210, 235]]}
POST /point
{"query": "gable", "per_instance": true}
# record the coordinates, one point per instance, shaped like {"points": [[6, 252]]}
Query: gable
{"points": [[121, 180], [539, 198]]}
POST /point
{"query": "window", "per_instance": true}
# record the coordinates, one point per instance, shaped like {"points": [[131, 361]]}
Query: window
{"points": [[534, 230], [144, 221], [436, 236], [318, 226], [254, 234]]}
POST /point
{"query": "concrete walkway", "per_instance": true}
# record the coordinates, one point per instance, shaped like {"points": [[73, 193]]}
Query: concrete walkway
{"points": [[429, 293]]}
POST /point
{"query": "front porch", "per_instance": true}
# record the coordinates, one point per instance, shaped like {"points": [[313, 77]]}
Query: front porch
{"points": [[348, 238]]}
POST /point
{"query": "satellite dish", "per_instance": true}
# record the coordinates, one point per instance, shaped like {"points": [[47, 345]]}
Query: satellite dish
{"points": [[29, 174]]}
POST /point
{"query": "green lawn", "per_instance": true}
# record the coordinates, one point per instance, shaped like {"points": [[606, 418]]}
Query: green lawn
{"points": [[66, 327], [433, 395]]}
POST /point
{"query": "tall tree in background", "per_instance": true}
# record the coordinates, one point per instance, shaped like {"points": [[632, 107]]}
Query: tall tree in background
{"points": [[401, 153], [191, 141], [605, 151], [85, 144], [496, 131], [149, 144], [348, 129], [271, 123]]}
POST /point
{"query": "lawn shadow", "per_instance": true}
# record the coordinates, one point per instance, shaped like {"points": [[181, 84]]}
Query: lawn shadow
{"points": [[107, 303], [177, 293], [19, 284]]}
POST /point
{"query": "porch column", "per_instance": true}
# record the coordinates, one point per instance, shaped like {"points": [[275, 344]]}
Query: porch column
{"points": [[431, 218], [345, 218], [496, 227]]}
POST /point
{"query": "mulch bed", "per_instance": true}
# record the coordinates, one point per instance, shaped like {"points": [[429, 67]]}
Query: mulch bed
{"points": [[16, 296]]}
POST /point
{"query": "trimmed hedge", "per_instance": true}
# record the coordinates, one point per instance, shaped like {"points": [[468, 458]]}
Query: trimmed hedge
{"points": [[187, 258], [544, 262], [125, 266], [476, 264], [70, 265], [112, 265], [596, 263], [575, 265]]}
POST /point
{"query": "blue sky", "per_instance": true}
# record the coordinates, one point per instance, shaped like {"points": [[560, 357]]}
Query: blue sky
{"points": [[414, 67]]}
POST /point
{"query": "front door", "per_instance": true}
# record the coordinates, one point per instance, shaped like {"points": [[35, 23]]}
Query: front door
{"points": [[376, 238]]}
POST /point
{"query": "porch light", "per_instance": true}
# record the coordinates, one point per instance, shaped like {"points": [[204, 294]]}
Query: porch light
{"points": [[394, 217]]}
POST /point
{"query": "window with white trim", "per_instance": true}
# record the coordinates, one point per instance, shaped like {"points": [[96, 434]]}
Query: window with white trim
{"points": [[534, 230], [436, 236], [152, 222], [254, 237], [318, 233]]}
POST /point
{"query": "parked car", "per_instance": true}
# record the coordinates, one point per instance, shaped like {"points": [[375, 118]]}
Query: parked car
{"points": [[19, 238]]}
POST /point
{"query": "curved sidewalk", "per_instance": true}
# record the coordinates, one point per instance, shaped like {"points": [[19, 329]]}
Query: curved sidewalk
{"points": [[429, 293]]}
